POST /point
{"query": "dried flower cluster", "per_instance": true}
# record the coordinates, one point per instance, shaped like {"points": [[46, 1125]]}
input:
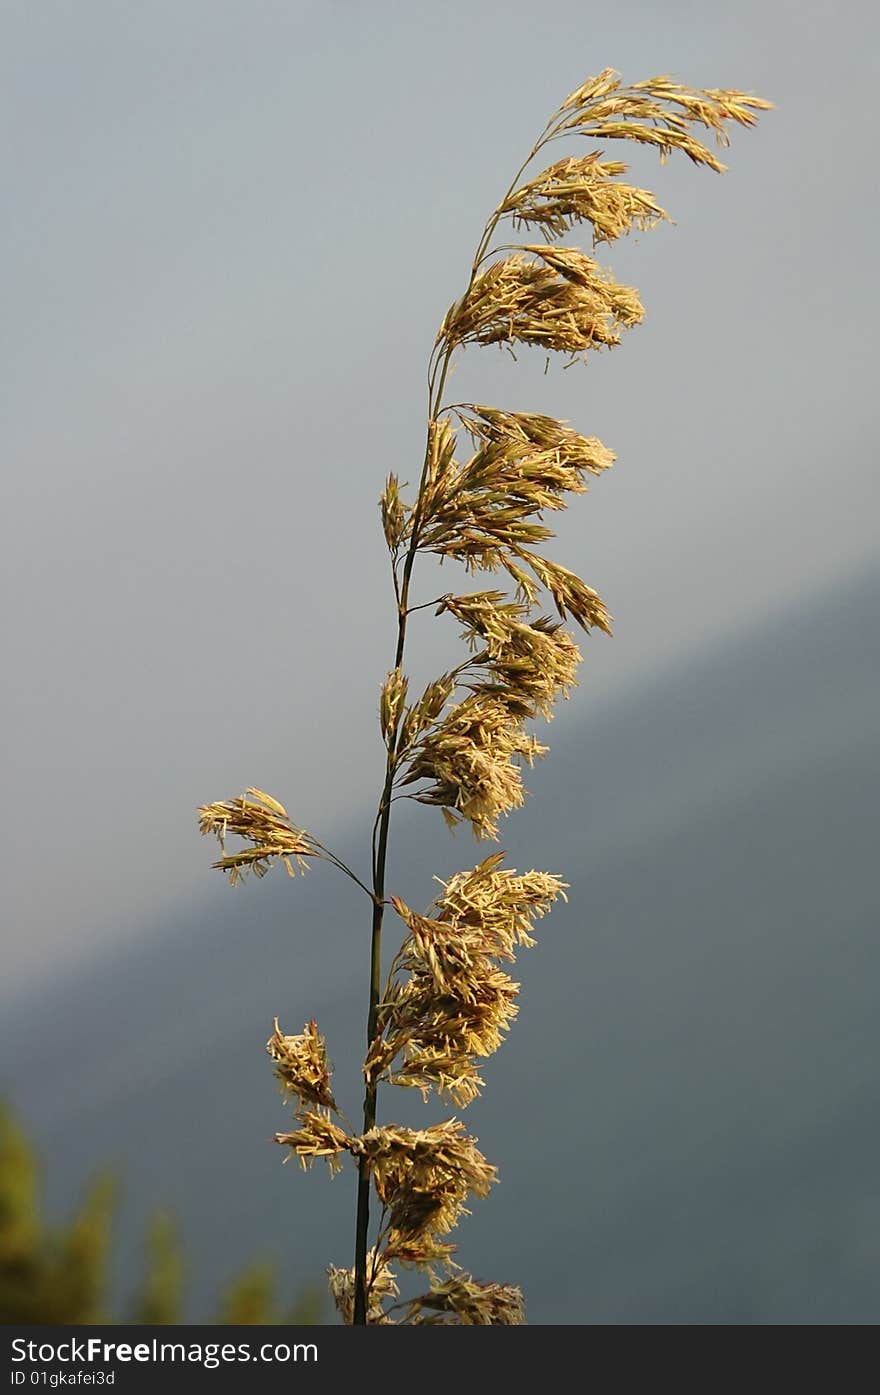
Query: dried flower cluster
{"points": [[489, 479], [461, 1300], [470, 759], [448, 1002], [383, 1290], [583, 189], [557, 298], [301, 1065], [423, 1177], [264, 823]]}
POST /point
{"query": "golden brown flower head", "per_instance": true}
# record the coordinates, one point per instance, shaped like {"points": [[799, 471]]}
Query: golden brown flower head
{"points": [[381, 1289], [555, 298], [469, 758], [583, 189], [528, 665], [262, 822], [394, 514], [541, 443], [462, 1301], [301, 1065], [424, 1176], [424, 713], [451, 1008], [316, 1137], [657, 112], [571, 596], [391, 701], [422, 1253], [500, 903], [485, 512], [448, 1003]]}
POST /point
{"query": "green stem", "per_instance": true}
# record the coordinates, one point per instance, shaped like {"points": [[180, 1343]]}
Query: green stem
{"points": [[362, 1223]]}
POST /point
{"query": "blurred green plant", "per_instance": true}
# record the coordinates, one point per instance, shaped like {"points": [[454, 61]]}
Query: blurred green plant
{"points": [[250, 1300], [60, 1275]]}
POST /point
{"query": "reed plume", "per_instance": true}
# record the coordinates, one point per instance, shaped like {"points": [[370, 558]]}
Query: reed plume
{"points": [[490, 476]]}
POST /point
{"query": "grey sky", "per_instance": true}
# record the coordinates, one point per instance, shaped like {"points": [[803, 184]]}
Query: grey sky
{"points": [[230, 231]]}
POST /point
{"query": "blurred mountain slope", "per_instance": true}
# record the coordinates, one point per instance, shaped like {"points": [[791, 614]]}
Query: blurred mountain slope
{"points": [[685, 1115]]}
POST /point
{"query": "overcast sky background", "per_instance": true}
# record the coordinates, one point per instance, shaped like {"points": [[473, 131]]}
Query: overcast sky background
{"points": [[229, 232]]}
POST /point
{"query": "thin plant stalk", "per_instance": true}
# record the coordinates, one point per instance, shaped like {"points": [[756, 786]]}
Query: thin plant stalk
{"points": [[448, 1000]]}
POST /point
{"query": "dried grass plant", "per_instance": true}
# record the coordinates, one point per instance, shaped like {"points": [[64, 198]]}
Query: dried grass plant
{"points": [[489, 478]]}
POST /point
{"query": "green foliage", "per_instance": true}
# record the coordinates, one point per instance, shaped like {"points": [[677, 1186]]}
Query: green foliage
{"points": [[49, 1277], [159, 1301], [251, 1300], [60, 1275], [77, 1260]]}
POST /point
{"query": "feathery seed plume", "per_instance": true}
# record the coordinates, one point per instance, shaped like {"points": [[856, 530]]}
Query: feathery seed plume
{"points": [[301, 1065], [424, 1176], [382, 1288], [468, 758], [264, 823], [317, 1137], [461, 1301]]}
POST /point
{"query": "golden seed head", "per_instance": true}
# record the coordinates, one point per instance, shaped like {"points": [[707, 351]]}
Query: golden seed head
{"points": [[470, 760], [448, 1003], [391, 703], [301, 1065], [316, 1137], [555, 298], [461, 1301], [262, 822], [381, 1289], [424, 1176]]}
